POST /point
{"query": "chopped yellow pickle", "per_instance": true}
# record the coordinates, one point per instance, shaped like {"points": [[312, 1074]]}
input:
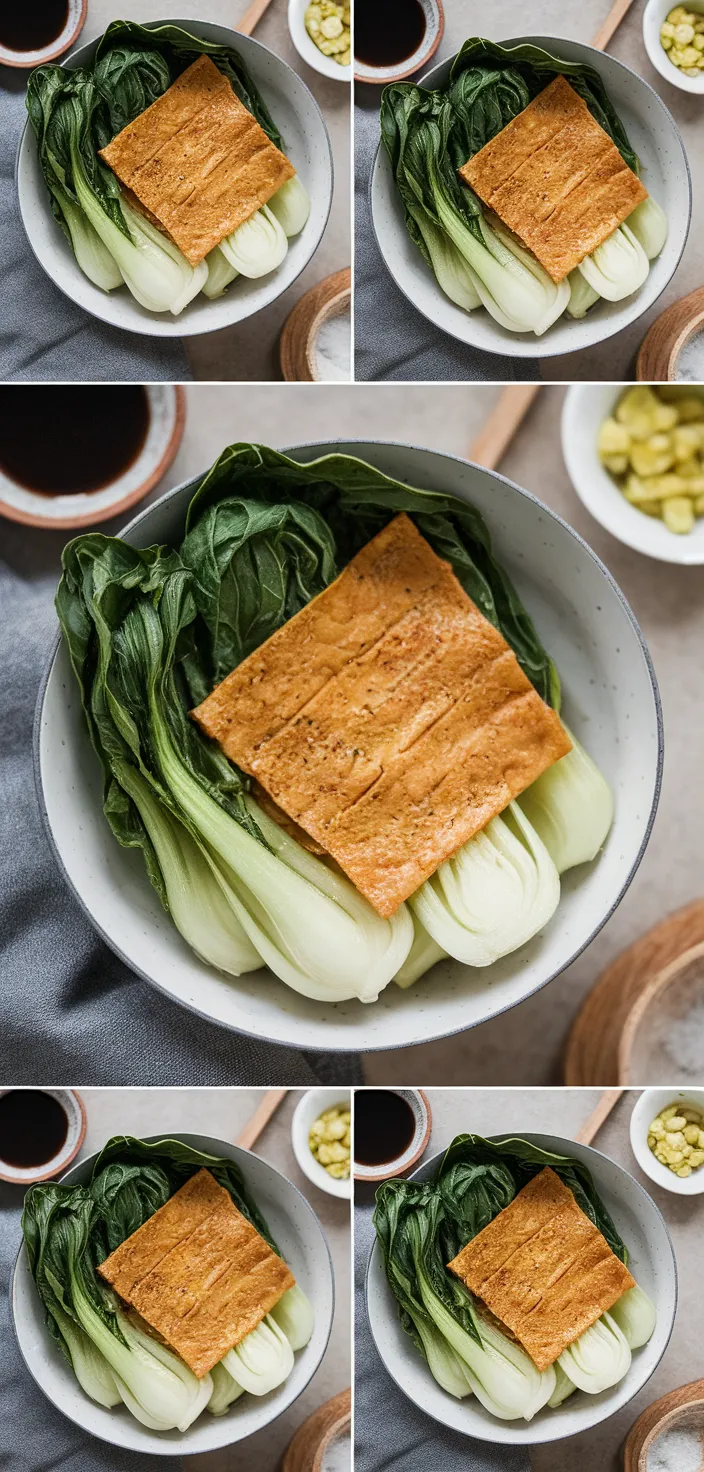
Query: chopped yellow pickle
{"points": [[653, 446], [330, 1141], [328, 25], [676, 1135], [682, 37]]}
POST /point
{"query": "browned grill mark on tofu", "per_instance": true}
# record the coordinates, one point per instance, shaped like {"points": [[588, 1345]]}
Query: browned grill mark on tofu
{"points": [[543, 1269], [556, 179], [389, 718]]}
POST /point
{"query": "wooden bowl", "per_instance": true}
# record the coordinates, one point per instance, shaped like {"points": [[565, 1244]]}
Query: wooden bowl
{"points": [[664, 341], [682, 1407], [307, 1450], [617, 1024], [301, 328]]}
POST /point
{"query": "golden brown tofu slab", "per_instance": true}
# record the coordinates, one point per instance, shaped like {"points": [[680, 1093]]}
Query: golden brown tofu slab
{"points": [[198, 1273], [556, 179], [543, 1269], [197, 162], [388, 718]]}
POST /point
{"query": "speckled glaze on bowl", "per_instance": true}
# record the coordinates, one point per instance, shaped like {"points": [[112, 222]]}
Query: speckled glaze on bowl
{"points": [[74, 1109], [665, 172], [167, 417], [27, 60], [303, 1245], [380, 76], [610, 701], [418, 1103], [307, 145], [652, 1262]]}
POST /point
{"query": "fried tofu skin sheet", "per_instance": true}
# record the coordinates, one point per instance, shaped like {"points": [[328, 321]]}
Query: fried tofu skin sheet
{"points": [[198, 1273], [196, 162], [543, 1269], [556, 179], [388, 718]]}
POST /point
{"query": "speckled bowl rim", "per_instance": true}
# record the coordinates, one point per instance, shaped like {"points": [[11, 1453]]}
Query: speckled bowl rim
{"points": [[370, 78], [374, 1175], [541, 349], [601, 1155], [91, 518], [62, 1162], [329, 447], [44, 54]]}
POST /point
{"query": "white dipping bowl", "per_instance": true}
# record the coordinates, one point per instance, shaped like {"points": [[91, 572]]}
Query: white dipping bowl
{"points": [[301, 1240], [306, 143], [651, 1260], [610, 702], [665, 173], [645, 1110], [585, 408], [656, 11], [307, 49], [309, 1108]]}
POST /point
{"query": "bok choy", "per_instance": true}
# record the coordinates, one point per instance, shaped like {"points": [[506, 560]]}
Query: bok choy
{"points": [[69, 1230]]}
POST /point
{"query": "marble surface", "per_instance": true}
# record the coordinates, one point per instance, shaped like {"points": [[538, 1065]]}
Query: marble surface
{"points": [[224, 1114], [575, 20], [564, 1112], [250, 349]]}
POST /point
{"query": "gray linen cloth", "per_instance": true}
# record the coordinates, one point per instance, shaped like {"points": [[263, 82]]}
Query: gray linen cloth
{"points": [[70, 1011], [42, 334], [391, 1434], [34, 1437], [393, 341]]}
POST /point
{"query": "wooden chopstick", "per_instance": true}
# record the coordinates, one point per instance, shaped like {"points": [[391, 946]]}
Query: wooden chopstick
{"points": [[507, 414], [252, 17], [260, 1119], [613, 20], [598, 1116]]}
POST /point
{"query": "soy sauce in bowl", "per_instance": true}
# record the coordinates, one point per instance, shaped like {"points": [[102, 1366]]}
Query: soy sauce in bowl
{"points": [[64, 439], [384, 1125], [387, 31], [33, 1128], [33, 24]]}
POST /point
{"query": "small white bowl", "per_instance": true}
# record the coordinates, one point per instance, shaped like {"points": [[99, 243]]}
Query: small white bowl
{"points": [[74, 1109], [645, 1110], [167, 416], [301, 1241], [313, 1103], [307, 48], [418, 1104], [651, 1259], [665, 172], [585, 408], [27, 60], [656, 11], [307, 144], [383, 76]]}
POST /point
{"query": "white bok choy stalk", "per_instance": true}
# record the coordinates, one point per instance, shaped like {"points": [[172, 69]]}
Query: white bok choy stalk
{"points": [[90, 1367], [556, 294], [309, 924], [225, 1390], [262, 1360], [294, 1315], [599, 1358], [649, 225], [291, 205], [618, 267], [493, 895], [257, 246], [197, 904], [571, 808], [445, 1366], [423, 954], [510, 293], [156, 1386], [582, 295], [154, 279], [191, 280], [93, 257], [635, 1315], [564, 1387], [450, 268], [220, 273]]}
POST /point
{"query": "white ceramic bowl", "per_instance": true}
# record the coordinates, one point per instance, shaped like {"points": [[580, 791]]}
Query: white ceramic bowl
{"points": [[309, 1107], [26, 60], [652, 1262], [665, 173], [167, 415], [307, 48], [645, 1110], [73, 1108], [302, 1243], [306, 143], [610, 702], [586, 406], [418, 1104], [381, 76], [656, 11]]}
